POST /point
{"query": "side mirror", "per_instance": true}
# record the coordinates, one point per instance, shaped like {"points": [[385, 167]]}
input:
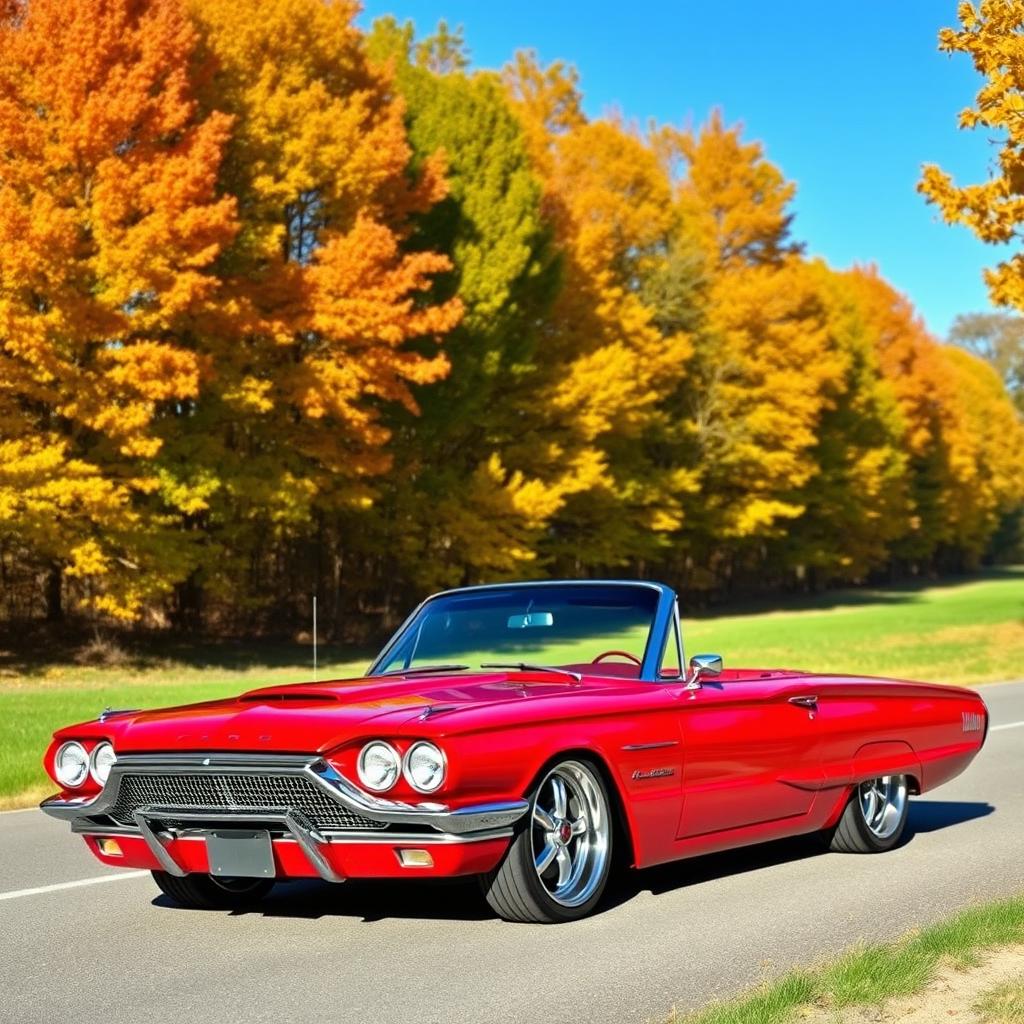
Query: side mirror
{"points": [[704, 665]]}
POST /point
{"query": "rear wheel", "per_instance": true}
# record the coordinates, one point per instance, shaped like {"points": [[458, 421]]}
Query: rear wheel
{"points": [[204, 892], [874, 818], [558, 864]]}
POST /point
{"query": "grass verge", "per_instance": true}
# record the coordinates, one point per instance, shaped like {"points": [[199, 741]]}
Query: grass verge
{"points": [[1003, 1005], [871, 974]]}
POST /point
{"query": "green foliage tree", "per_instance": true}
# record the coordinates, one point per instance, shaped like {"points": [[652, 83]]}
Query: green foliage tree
{"points": [[999, 339], [455, 507]]}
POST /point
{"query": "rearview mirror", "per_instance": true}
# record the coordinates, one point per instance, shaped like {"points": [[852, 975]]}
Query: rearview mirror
{"points": [[531, 620], [704, 665]]}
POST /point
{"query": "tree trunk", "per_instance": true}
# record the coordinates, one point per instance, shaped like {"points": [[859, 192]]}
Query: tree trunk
{"points": [[55, 593], [189, 603]]}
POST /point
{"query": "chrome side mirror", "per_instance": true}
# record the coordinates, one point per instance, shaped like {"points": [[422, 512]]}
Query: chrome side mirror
{"points": [[704, 665]]}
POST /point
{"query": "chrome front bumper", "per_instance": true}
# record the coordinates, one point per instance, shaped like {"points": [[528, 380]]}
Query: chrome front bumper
{"points": [[463, 824]]}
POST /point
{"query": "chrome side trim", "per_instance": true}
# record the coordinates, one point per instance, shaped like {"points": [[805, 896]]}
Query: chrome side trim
{"points": [[439, 816], [415, 838], [83, 826], [651, 746]]}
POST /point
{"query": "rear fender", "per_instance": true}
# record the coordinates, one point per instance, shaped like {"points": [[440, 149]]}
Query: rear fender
{"points": [[890, 757]]}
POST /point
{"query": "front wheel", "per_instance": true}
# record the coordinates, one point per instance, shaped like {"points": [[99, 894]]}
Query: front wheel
{"points": [[204, 892], [874, 818], [559, 862]]}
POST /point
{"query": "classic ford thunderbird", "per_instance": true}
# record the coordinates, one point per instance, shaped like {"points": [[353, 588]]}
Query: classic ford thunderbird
{"points": [[530, 734]]}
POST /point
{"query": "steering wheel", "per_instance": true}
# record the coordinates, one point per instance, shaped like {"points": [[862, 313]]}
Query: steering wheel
{"points": [[618, 654]]}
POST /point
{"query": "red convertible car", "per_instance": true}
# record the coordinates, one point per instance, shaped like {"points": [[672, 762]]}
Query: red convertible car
{"points": [[530, 734]]}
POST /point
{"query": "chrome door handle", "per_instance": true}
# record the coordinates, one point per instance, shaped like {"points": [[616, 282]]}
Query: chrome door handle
{"points": [[805, 702]]}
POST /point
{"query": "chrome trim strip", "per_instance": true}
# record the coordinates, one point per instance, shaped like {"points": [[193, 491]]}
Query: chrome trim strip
{"points": [[651, 746], [83, 826], [109, 712], [439, 816]]}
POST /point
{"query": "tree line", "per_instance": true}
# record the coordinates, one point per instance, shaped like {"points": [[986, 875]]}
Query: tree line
{"points": [[288, 307]]}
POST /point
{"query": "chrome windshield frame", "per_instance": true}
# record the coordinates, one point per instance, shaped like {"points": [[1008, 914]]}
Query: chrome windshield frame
{"points": [[665, 613]]}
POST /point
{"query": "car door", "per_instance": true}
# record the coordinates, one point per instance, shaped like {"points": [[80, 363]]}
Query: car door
{"points": [[750, 752]]}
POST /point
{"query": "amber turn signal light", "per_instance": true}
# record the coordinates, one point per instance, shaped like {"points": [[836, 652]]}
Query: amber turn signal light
{"points": [[415, 858], [108, 847]]}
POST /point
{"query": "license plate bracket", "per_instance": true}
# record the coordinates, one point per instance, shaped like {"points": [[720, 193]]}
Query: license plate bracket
{"points": [[240, 853]]}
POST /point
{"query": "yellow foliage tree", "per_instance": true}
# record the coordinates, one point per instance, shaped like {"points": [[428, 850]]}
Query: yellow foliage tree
{"points": [[607, 364], [992, 35]]}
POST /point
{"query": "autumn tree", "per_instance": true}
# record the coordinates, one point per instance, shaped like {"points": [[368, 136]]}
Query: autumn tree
{"points": [[607, 363], [320, 301], [991, 35], [992, 457], [111, 222], [960, 477], [453, 509], [762, 359], [855, 503]]}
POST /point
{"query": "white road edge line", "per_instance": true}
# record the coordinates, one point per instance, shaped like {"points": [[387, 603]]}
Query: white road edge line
{"points": [[38, 890], [1005, 725]]}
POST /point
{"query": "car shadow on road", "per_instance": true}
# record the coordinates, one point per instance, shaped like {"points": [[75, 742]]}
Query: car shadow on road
{"points": [[461, 899], [368, 901], [924, 816], [932, 815]]}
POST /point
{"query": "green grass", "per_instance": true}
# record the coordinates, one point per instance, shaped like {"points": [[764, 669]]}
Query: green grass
{"points": [[969, 632], [963, 632], [871, 974], [34, 703]]}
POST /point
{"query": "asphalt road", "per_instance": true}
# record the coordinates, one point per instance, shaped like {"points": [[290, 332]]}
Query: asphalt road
{"points": [[79, 942]]}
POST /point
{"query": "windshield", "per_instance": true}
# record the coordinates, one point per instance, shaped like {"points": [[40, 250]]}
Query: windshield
{"points": [[602, 629]]}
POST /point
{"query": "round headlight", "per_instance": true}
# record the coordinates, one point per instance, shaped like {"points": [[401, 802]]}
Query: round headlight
{"points": [[71, 765], [103, 758], [424, 767], [379, 766]]}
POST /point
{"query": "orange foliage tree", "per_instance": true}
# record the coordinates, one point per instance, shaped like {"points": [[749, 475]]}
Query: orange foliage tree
{"points": [[110, 226]]}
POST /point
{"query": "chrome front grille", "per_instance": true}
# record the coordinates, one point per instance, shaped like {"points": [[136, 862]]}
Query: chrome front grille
{"points": [[234, 792]]}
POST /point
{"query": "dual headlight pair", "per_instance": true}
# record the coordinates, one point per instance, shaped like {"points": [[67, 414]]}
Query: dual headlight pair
{"points": [[423, 766], [73, 764]]}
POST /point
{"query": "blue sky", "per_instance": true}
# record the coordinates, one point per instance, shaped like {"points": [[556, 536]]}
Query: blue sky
{"points": [[848, 98]]}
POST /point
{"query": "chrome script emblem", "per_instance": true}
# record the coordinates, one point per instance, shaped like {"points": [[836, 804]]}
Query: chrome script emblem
{"points": [[653, 773]]}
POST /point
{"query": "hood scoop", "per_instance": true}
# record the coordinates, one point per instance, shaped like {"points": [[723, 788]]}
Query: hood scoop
{"points": [[288, 697]]}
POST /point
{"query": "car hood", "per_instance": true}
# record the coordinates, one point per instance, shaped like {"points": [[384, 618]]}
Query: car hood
{"points": [[316, 717]]}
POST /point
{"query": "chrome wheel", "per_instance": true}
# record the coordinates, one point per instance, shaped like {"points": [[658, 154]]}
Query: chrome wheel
{"points": [[570, 832], [882, 804]]}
